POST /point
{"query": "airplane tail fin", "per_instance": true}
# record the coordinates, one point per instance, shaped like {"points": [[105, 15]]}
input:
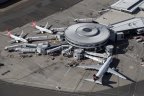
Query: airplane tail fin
{"points": [[33, 24], [8, 33]]}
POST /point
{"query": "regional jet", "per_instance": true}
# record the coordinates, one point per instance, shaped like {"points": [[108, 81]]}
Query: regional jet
{"points": [[17, 39], [102, 69], [42, 29], [24, 38]]}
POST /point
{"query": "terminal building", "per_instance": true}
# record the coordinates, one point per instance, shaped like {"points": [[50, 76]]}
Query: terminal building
{"points": [[129, 6], [87, 35], [129, 24]]}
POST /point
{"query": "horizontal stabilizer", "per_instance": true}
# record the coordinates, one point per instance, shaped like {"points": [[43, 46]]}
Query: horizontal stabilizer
{"points": [[116, 73]]}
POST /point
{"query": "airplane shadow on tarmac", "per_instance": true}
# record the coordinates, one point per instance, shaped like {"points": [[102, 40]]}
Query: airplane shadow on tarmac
{"points": [[121, 47]]}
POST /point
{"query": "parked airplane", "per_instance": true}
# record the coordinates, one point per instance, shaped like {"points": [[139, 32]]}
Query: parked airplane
{"points": [[102, 70], [25, 39], [42, 29], [17, 39]]}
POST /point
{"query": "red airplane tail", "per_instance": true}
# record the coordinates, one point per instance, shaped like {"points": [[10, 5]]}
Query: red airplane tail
{"points": [[8, 34], [33, 24]]}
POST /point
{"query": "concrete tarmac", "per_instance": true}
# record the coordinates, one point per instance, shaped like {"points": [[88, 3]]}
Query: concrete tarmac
{"points": [[33, 13], [17, 15], [9, 89]]}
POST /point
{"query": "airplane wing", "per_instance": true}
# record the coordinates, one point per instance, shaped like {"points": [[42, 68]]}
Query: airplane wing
{"points": [[116, 73], [21, 34], [92, 66], [46, 25]]}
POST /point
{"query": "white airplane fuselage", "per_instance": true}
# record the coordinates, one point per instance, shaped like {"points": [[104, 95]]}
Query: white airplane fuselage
{"points": [[18, 38], [43, 29], [104, 67]]}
